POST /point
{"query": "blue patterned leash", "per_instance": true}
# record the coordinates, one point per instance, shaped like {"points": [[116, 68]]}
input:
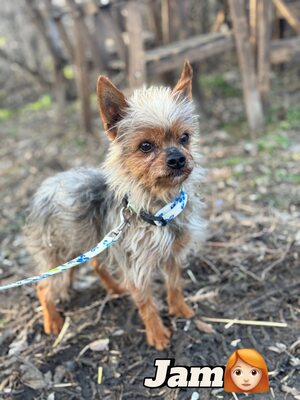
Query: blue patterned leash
{"points": [[167, 213]]}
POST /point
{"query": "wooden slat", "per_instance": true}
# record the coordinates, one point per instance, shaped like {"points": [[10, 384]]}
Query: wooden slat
{"points": [[56, 14], [287, 14], [251, 93], [112, 30], [253, 23], [196, 48], [264, 15], [136, 57], [285, 50], [219, 21], [100, 37], [82, 78], [155, 18]]}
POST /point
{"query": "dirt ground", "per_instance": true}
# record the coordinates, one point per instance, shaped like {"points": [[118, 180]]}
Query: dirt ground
{"points": [[247, 269]]}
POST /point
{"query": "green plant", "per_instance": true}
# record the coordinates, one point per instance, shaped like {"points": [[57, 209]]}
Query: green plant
{"points": [[217, 83], [41, 103], [5, 114]]}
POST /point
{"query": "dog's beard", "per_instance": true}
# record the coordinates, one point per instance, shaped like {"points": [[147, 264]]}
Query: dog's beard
{"points": [[174, 177]]}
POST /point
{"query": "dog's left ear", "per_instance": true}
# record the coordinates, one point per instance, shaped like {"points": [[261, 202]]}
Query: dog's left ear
{"points": [[184, 85], [112, 104]]}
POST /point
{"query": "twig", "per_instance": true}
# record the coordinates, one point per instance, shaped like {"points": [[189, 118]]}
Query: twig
{"points": [[63, 385], [62, 332], [202, 296], [249, 273], [246, 322], [84, 309], [101, 309], [210, 264], [271, 266]]}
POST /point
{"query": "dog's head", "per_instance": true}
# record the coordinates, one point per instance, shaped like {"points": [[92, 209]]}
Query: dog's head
{"points": [[150, 132]]}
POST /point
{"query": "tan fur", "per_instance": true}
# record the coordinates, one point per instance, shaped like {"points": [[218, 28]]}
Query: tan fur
{"points": [[176, 302], [53, 322], [110, 284], [157, 334]]}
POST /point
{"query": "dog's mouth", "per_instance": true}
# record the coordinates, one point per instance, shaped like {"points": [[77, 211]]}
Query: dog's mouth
{"points": [[175, 176]]}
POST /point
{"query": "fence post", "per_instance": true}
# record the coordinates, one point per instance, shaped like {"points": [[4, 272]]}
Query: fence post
{"points": [[112, 29], [136, 55], [253, 23], [251, 93], [264, 15], [81, 74]]}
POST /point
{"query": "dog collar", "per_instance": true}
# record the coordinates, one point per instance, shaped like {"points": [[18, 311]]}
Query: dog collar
{"points": [[167, 213]]}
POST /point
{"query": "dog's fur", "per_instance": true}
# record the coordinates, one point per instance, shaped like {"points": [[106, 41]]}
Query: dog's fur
{"points": [[73, 210]]}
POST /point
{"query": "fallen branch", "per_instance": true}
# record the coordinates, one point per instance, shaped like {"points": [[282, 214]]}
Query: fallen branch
{"points": [[25, 68]]}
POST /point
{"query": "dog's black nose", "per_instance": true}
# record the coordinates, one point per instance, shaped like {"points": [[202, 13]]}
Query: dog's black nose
{"points": [[175, 159]]}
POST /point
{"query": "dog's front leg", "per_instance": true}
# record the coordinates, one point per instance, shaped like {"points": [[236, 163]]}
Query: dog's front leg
{"points": [[157, 334], [176, 302]]}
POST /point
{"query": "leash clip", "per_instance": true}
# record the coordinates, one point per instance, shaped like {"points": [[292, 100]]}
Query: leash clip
{"points": [[117, 232]]}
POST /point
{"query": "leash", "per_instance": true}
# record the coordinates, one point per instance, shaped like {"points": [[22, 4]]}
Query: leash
{"points": [[166, 214]]}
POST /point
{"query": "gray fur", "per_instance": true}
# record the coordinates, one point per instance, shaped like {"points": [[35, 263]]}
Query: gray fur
{"points": [[67, 217]]}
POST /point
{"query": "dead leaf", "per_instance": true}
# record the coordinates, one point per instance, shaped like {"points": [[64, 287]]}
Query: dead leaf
{"points": [[204, 327], [199, 297], [19, 344], [97, 345], [33, 378]]}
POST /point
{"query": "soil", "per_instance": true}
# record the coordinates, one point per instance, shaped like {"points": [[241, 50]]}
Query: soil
{"points": [[247, 269]]}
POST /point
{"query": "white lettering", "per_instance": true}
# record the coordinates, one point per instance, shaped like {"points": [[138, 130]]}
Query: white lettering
{"points": [[161, 374], [178, 377]]}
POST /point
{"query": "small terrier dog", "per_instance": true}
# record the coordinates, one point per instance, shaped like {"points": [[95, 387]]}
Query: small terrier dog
{"points": [[153, 151]]}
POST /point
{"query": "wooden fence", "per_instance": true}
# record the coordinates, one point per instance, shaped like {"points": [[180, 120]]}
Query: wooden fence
{"points": [[133, 40]]}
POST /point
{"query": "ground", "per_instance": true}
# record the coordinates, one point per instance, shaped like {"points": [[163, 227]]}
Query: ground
{"points": [[247, 269]]}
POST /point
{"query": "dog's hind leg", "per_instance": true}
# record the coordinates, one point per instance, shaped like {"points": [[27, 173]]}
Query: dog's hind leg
{"points": [[48, 291], [110, 284], [53, 321], [176, 302]]}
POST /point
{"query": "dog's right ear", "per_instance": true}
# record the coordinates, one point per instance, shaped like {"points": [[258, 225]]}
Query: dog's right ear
{"points": [[112, 104], [184, 85]]}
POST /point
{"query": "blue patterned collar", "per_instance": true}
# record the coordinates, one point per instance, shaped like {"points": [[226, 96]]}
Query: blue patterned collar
{"points": [[168, 212]]}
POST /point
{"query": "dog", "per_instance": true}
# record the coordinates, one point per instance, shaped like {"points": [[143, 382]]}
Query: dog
{"points": [[153, 153]]}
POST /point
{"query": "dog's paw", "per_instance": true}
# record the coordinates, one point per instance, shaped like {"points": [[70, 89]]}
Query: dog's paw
{"points": [[53, 324], [181, 309], [159, 338]]}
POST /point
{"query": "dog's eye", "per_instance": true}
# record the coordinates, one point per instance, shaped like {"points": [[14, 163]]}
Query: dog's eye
{"points": [[146, 147], [184, 138]]}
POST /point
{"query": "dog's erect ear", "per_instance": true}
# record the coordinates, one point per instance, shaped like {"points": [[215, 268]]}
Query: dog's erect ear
{"points": [[112, 103], [184, 85]]}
